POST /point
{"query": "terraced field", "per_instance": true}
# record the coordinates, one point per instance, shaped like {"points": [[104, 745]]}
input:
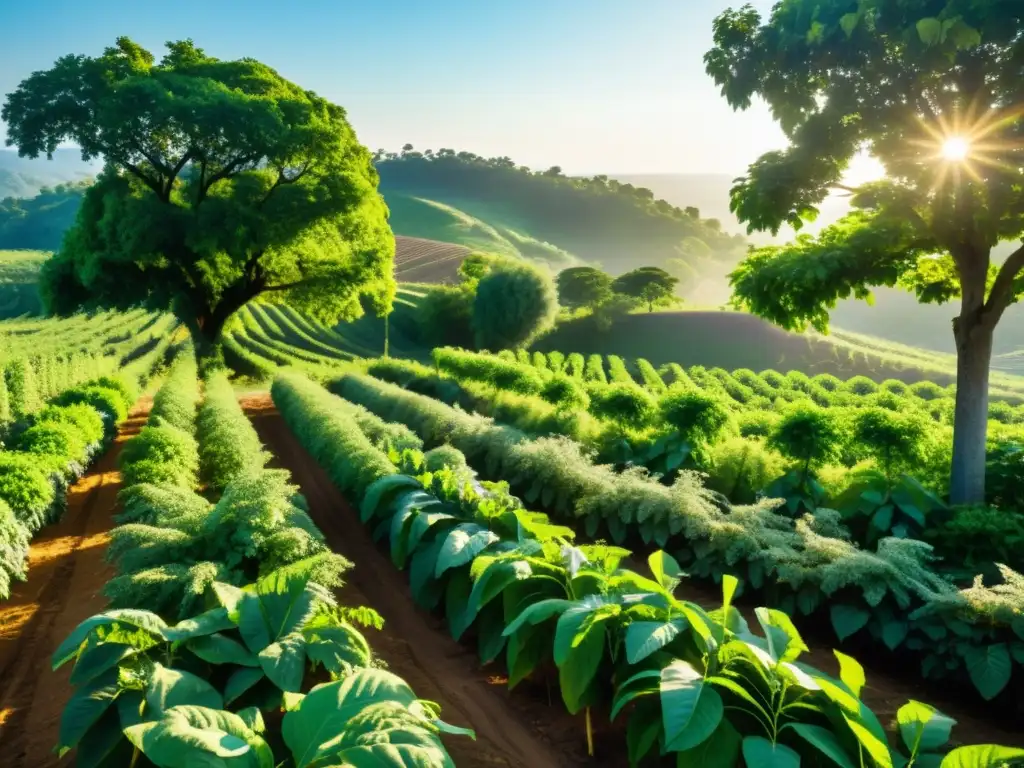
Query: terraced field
{"points": [[418, 260]]}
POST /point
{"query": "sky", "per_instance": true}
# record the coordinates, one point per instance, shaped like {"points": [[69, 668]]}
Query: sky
{"points": [[594, 86]]}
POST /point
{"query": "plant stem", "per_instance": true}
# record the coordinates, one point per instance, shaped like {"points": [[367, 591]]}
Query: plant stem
{"points": [[590, 736]]}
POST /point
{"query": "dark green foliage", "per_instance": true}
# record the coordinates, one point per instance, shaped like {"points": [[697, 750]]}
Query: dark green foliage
{"points": [[809, 436], [565, 392], [514, 303], [1005, 476], [583, 287], [161, 454], [624, 404], [219, 169], [444, 316], [895, 441], [698, 417], [974, 538], [651, 286], [14, 538]]}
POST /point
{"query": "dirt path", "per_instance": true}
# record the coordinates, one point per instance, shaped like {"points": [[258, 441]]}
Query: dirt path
{"points": [[65, 578], [512, 730]]}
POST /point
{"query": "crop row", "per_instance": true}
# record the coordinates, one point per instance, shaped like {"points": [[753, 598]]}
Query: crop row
{"points": [[223, 612], [799, 563], [700, 686]]}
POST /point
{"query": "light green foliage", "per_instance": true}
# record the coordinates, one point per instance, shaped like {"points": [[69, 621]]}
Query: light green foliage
{"points": [[514, 303], [808, 436], [14, 538], [583, 287], [26, 488], [699, 418], [87, 420], [650, 377], [225, 180], [594, 370], [650, 286], [740, 468], [617, 371], [229, 447], [623, 403], [896, 442], [565, 392]]}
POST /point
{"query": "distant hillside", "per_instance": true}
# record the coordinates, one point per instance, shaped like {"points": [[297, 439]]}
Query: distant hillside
{"points": [[19, 271], [599, 220], [22, 177], [39, 222], [418, 260]]}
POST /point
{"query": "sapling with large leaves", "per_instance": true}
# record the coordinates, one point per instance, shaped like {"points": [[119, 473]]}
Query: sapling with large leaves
{"points": [[809, 437]]}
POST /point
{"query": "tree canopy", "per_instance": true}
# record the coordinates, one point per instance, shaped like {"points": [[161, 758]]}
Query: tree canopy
{"points": [[222, 182], [651, 285], [583, 287], [934, 92], [514, 303]]}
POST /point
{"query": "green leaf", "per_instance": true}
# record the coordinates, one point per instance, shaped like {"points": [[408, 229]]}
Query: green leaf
{"points": [[645, 637], [526, 649], [849, 22], [241, 680], [923, 727], [642, 731], [690, 711], [990, 668], [207, 623], [200, 736], [104, 744], [382, 491], [721, 750], [784, 641], [582, 656], [286, 602], [171, 687], [851, 673], [462, 544], [85, 707], [824, 741], [930, 31], [981, 756], [665, 569], [98, 657], [894, 632], [220, 649], [963, 36], [882, 519], [493, 581], [757, 750], [336, 646], [643, 683], [848, 619], [284, 662], [538, 612], [456, 601], [873, 743], [144, 620]]}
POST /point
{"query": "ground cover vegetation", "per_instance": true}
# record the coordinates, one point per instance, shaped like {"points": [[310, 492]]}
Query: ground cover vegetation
{"points": [[700, 686], [223, 615]]}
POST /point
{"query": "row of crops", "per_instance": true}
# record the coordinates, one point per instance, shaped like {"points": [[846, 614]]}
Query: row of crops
{"points": [[435, 486], [224, 643], [60, 402]]}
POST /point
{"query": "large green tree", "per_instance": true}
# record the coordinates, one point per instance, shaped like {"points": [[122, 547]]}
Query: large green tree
{"points": [[583, 287], [651, 285], [222, 182], [931, 88]]}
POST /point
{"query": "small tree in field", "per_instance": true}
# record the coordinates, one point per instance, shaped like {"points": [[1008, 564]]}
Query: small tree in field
{"points": [[934, 91], [651, 285], [583, 287], [514, 303], [222, 182]]}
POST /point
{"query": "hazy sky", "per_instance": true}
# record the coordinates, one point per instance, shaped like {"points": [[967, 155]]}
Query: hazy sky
{"points": [[591, 85]]}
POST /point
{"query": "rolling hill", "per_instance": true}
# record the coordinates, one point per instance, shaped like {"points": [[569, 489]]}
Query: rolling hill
{"points": [[22, 177]]}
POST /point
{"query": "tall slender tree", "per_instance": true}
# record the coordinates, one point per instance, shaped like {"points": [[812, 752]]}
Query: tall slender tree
{"points": [[935, 91]]}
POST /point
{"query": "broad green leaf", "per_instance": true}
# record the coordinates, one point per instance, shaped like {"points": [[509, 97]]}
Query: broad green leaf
{"points": [[690, 711], [241, 680], [336, 646], [172, 687], [526, 649], [825, 741], [286, 601], [538, 612], [252, 625], [104, 744], [849, 22], [284, 662], [665, 569], [220, 649], [930, 31], [641, 684], [642, 731], [981, 756], [144, 620], [851, 673], [98, 657], [582, 658], [494, 580], [873, 743], [990, 668], [461, 545], [757, 750], [568, 627], [382, 491], [720, 750], [923, 728], [737, 688], [848, 619], [894, 632], [456, 600], [207, 623], [645, 637], [85, 707], [784, 641], [200, 736]]}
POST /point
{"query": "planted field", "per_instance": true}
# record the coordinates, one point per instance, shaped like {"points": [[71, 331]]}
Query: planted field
{"points": [[18, 273], [418, 260]]}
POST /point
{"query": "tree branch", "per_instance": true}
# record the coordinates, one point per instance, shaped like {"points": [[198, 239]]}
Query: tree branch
{"points": [[174, 173], [282, 180], [137, 172], [222, 174], [1002, 290], [285, 286]]}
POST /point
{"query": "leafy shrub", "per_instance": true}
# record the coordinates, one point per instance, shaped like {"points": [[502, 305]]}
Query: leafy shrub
{"points": [[758, 423], [175, 402], [444, 457], [799, 381], [617, 371], [828, 382], [161, 454], [860, 385], [566, 393], [25, 487], [513, 305], [556, 362], [128, 389], [228, 445], [22, 392], [895, 386], [444, 316], [594, 370], [538, 360], [14, 538], [739, 468], [62, 441], [927, 390], [575, 365], [625, 404], [650, 377], [807, 435], [5, 400], [103, 399], [974, 538], [774, 379], [1004, 475], [699, 418], [86, 419], [894, 441]]}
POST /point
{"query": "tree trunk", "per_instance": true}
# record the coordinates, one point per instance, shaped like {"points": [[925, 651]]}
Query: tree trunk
{"points": [[974, 356]]}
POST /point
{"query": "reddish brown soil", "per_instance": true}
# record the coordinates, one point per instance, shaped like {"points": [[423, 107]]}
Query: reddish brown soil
{"points": [[517, 729], [65, 581]]}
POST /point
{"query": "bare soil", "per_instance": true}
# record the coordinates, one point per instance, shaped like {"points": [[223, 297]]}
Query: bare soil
{"points": [[65, 581], [512, 729]]}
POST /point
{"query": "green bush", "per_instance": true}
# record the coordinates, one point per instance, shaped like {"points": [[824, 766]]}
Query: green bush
{"points": [[65, 442], [26, 488], [86, 418], [228, 445], [176, 401], [828, 382], [575, 365], [809, 436], [623, 404], [756, 423], [514, 303], [14, 538], [928, 390], [565, 392], [444, 316], [894, 441], [161, 454], [442, 457], [739, 468], [594, 370], [103, 399], [699, 417], [860, 385], [22, 392]]}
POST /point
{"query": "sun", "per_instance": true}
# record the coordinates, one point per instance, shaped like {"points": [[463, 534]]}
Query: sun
{"points": [[955, 149]]}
